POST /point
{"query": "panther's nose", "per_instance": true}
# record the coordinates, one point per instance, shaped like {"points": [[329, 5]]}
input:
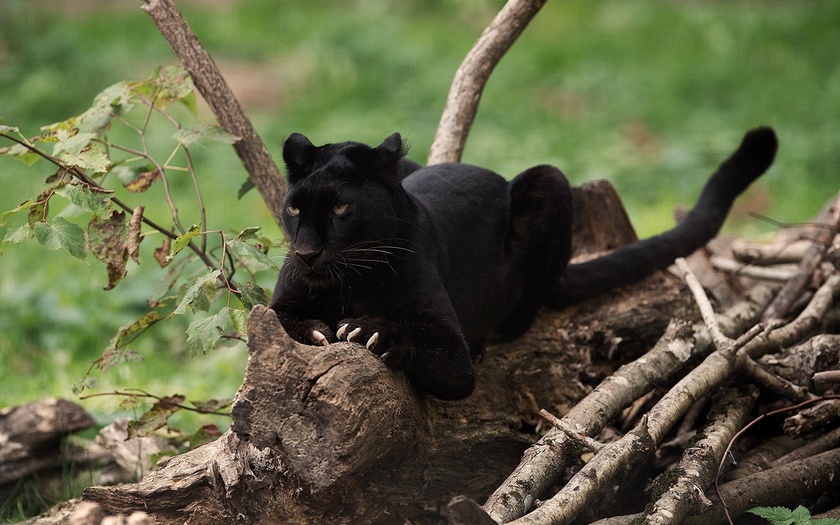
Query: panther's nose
{"points": [[307, 256]]}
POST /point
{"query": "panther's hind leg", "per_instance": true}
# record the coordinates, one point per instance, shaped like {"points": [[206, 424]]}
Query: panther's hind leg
{"points": [[538, 244]]}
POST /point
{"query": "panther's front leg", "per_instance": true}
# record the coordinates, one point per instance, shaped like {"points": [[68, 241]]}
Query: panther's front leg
{"points": [[433, 352]]}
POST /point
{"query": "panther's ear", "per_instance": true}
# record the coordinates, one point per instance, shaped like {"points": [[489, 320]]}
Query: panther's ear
{"points": [[388, 155], [298, 154], [392, 148]]}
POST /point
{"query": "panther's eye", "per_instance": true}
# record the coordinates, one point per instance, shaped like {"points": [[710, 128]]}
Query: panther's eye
{"points": [[338, 209], [292, 210]]}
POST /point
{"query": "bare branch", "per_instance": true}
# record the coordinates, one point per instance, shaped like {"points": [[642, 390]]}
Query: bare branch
{"points": [[472, 75], [706, 310], [216, 91], [773, 383], [812, 418], [583, 439], [814, 475], [773, 273], [793, 288], [800, 327], [700, 462]]}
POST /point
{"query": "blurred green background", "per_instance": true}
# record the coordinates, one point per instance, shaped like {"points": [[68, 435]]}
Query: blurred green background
{"points": [[649, 94]]}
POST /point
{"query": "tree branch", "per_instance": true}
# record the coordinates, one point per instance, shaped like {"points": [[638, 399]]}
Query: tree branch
{"points": [[216, 91], [472, 75], [700, 462], [794, 286]]}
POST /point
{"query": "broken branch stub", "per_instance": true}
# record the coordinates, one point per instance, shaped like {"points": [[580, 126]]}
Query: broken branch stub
{"points": [[333, 411]]}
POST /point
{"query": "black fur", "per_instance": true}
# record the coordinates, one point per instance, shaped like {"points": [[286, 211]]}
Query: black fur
{"points": [[423, 264]]}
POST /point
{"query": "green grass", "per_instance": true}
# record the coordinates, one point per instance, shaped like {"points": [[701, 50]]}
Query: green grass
{"points": [[649, 94]]}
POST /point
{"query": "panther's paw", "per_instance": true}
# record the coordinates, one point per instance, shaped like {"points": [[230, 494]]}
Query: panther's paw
{"points": [[378, 336]]}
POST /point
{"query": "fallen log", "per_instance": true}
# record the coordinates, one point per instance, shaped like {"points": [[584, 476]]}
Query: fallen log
{"points": [[33, 447]]}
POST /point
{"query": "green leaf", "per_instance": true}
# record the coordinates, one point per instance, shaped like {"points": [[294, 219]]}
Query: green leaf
{"points": [[17, 235], [107, 239], [247, 251], [87, 383], [66, 128], [156, 417], [240, 321], [200, 295], [71, 141], [75, 148], [92, 157], [776, 515], [6, 215], [253, 295], [21, 153], [61, 233], [183, 240], [203, 334], [204, 130], [86, 197], [175, 85], [801, 515], [115, 99], [212, 405], [246, 234], [38, 210], [144, 322], [205, 434], [247, 186], [116, 356], [233, 321]]}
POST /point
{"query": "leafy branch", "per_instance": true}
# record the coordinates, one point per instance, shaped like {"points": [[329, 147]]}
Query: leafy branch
{"points": [[92, 171], [162, 409]]}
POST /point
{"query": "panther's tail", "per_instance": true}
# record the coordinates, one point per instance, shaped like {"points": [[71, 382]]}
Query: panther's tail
{"points": [[635, 261]]}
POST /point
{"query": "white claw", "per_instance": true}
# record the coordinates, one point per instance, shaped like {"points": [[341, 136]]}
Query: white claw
{"points": [[341, 330], [320, 338], [384, 356], [354, 333], [372, 341]]}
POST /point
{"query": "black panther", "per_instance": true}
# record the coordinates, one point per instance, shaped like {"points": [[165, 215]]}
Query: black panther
{"points": [[423, 264]]}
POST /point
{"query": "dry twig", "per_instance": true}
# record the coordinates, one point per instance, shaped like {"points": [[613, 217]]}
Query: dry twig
{"points": [[699, 463], [793, 287], [785, 485], [583, 439], [773, 273], [706, 311]]}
